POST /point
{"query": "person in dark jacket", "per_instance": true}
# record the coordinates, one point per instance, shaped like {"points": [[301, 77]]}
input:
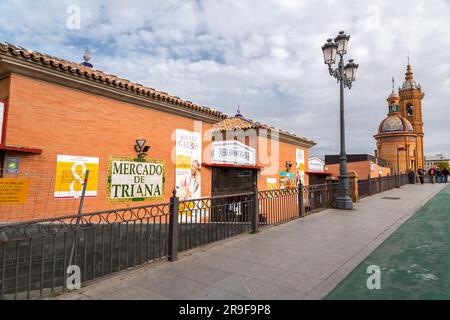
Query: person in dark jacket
{"points": [[421, 173], [438, 175], [445, 174]]}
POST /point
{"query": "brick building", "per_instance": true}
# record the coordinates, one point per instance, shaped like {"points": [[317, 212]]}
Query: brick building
{"points": [[364, 165], [61, 118]]}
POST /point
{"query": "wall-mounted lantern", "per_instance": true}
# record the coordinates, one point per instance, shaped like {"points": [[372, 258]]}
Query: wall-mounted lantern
{"points": [[288, 165], [140, 148]]}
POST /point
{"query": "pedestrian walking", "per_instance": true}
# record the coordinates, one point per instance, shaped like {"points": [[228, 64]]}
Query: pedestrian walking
{"points": [[438, 175], [445, 174], [432, 173], [421, 173]]}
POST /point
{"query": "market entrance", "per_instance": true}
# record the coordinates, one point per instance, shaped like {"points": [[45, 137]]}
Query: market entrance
{"points": [[227, 180]]}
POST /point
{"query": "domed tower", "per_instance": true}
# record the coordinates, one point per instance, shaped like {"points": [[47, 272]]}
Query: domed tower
{"points": [[396, 140], [411, 96]]}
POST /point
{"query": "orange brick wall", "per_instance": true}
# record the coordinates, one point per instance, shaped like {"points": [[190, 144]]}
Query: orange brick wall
{"points": [[362, 168], [64, 121], [4, 88], [285, 152]]}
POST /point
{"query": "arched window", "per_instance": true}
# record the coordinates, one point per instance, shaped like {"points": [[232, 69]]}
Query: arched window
{"points": [[409, 110]]}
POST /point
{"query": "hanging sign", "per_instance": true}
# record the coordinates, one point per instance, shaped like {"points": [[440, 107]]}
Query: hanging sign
{"points": [[70, 173], [233, 152], [135, 180]]}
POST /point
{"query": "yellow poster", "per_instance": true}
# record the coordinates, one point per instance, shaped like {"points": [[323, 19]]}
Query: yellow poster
{"points": [[13, 190], [70, 174]]}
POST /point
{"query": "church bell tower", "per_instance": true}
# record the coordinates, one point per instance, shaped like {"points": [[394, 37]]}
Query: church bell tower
{"points": [[411, 96]]}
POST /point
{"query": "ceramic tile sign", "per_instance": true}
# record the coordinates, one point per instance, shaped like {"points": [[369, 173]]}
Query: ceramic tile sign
{"points": [[131, 180]]}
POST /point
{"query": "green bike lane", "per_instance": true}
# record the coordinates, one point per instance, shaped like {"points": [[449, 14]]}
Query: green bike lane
{"points": [[414, 261]]}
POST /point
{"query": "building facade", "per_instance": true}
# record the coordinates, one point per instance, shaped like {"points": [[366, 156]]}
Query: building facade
{"points": [[364, 165], [434, 161], [400, 135], [60, 119]]}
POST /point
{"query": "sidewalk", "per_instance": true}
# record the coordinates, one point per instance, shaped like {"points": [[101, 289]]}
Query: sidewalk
{"points": [[413, 262], [303, 259]]}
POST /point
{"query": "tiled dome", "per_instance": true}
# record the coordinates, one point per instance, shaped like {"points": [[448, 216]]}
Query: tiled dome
{"points": [[395, 124], [394, 95], [410, 84]]}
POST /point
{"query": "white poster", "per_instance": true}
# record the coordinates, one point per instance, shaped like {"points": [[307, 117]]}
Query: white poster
{"points": [[188, 164], [70, 175], [300, 165]]}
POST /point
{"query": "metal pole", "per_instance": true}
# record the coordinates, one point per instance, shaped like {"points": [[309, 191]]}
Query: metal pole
{"points": [[255, 218], [173, 227], [343, 201], [398, 169], [301, 205], [80, 211]]}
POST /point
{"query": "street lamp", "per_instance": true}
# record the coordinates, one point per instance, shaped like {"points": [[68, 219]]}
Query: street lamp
{"points": [[345, 75]]}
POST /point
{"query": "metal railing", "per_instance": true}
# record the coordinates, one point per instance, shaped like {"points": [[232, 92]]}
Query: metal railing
{"points": [[35, 255], [380, 184]]}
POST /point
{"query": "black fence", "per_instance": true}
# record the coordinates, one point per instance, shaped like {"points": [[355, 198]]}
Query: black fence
{"points": [[372, 186], [35, 256]]}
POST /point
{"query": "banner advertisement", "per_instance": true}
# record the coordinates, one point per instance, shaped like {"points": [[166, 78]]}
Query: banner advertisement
{"points": [[300, 165], [188, 155], [70, 174], [287, 179], [131, 180], [13, 190], [271, 183], [2, 120], [188, 164]]}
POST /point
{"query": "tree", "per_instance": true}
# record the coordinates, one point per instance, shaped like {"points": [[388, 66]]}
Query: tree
{"points": [[443, 165]]}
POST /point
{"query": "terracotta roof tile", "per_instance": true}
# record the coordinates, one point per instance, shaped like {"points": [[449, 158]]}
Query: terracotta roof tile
{"points": [[241, 123]]}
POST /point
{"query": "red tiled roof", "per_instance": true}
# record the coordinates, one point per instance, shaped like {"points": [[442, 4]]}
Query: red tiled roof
{"points": [[77, 69], [241, 123]]}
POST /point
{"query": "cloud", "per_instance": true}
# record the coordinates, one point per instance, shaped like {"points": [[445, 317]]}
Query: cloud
{"points": [[262, 55]]}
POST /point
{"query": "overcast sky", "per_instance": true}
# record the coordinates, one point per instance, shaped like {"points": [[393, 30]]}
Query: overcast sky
{"points": [[262, 55]]}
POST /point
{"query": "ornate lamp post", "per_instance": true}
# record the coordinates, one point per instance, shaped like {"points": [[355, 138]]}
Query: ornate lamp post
{"points": [[345, 75]]}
